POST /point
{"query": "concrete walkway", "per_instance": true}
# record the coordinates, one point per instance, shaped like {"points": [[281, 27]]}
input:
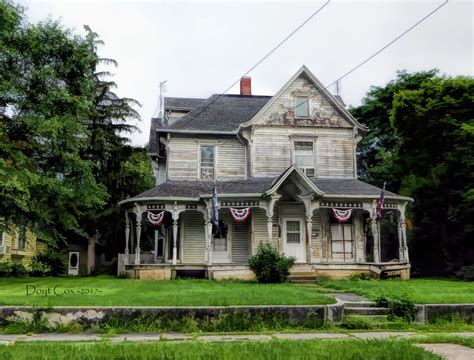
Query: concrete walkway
{"points": [[143, 337], [450, 351]]}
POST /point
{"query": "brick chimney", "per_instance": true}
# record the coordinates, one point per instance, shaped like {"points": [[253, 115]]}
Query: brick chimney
{"points": [[246, 85]]}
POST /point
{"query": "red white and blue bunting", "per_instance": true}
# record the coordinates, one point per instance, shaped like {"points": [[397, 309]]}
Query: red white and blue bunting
{"points": [[342, 215], [239, 215], [156, 219]]}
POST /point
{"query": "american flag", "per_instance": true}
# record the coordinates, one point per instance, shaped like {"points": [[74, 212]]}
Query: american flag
{"points": [[380, 202], [214, 209]]}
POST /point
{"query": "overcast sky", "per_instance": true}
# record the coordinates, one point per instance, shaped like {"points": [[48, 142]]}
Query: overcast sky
{"points": [[201, 48]]}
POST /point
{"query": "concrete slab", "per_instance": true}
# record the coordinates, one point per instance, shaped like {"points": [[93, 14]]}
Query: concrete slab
{"points": [[11, 337], [310, 336], [235, 338], [450, 351], [463, 333], [347, 297], [61, 337], [382, 334]]}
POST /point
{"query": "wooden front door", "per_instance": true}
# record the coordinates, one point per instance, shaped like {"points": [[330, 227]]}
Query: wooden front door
{"points": [[293, 238]]}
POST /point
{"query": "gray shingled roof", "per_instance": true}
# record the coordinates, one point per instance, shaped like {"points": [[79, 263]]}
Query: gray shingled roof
{"points": [[221, 113], [153, 146], [193, 189], [182, 103]]}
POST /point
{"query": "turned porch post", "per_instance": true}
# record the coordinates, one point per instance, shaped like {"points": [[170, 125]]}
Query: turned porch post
{"points": [[175, 216], [307, 201], [402, 234], [138, 213], [375, 232], [127, 237]]}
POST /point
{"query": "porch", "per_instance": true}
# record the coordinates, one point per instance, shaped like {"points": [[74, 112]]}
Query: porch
{"points": [[292, 212]]}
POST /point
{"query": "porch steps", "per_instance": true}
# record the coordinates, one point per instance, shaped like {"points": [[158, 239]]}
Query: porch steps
{"points": [[303, 278]]}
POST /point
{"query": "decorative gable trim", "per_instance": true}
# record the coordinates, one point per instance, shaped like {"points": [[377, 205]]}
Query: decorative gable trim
{"points": [[276, 185], [304, 70]]}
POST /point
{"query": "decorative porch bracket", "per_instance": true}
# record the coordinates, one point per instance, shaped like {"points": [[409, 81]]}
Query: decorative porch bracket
{"points": [[269, 209]]}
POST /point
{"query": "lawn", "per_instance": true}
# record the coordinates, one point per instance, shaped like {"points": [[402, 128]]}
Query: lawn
{"points": [[421, 291], [111, 291], [331, 350]]}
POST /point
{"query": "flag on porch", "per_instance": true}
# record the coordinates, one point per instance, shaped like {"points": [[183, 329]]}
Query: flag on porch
{"points": [[380, 202]]}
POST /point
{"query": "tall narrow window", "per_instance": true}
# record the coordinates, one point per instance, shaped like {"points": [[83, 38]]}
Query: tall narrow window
{"points": [[21, 238], [304, 156], [301, 106], [207, 162], [1, 238]]}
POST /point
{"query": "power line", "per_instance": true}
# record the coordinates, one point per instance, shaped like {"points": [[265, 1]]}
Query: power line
{"points": [[267, 55], [374, 54]]}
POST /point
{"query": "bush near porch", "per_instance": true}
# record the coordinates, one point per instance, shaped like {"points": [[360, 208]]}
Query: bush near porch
{"points": [[420, 291], [112, 291]]}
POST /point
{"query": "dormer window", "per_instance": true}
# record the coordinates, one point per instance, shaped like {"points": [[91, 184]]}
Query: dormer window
{"points": [[301, 106], [208, 162], [304, 156]]}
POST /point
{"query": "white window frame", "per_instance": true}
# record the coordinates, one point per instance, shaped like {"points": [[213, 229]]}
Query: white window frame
{"points": [[18, 231], [352, 241], [306, 102], [201, 145], [293, 148]]}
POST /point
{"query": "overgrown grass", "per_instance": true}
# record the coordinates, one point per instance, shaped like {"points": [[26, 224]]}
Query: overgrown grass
{"points": [[314, 349], [420, 291], [111, 291]]}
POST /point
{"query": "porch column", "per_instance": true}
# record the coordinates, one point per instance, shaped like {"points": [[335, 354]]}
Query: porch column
{"points": [[375, 232], [270, 206], [307, 201], [156, 245], [175, 217], [138, 232], [127, 237], [402, 235], [208, 231]]}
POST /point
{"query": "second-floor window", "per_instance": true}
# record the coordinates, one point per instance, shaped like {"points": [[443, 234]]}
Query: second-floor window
{"points": [[301, 106], [208, 162], [304, 156]]}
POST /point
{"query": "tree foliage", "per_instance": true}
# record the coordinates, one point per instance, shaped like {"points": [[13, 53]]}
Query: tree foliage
{"points": [[436, 167], [65, 157], [421, 143]]}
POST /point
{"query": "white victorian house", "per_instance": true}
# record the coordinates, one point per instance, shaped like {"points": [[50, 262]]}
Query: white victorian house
{"points": [[291, 159]]}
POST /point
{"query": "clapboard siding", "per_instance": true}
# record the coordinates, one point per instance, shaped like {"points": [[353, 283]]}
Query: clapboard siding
{"points": [[272, 151], [230, 160], [10, 241], [194, 239], [260, 232], [183, 162], [183, 159], [241, 244], [316, 235]]}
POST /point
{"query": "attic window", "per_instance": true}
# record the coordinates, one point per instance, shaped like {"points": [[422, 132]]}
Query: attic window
{"points": [[301, 106], [207, 162]]}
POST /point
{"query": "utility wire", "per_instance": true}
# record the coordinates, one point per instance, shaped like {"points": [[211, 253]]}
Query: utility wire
{"points": [[267, 55], [374, 54]]}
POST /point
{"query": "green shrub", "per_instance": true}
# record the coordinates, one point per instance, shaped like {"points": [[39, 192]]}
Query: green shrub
{"points": [[38, 269], [269, 266], [399, 308], [5, 269], [466, 272], [54, 260], [18, 269]]}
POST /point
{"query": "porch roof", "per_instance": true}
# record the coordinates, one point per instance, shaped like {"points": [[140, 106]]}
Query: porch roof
{"points": [[256, 187]]}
